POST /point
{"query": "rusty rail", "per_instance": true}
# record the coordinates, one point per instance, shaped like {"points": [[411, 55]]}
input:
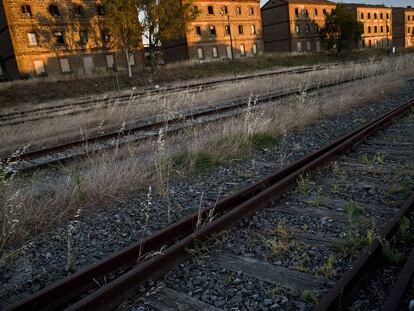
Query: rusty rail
{"points": [[178, 237]]}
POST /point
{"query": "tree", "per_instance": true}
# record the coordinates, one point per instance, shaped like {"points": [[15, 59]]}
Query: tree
{"points": [[163, 20], [341, 30], [125, 29]]}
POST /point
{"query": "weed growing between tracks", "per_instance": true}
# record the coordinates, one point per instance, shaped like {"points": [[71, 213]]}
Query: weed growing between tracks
{"points": [[48, 201]]}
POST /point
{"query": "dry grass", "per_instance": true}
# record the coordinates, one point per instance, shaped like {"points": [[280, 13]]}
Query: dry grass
{"points": [[31, 206], [117, 116]]}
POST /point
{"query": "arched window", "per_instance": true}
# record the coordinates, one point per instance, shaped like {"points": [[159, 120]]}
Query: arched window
{"points": [[54, 10]]}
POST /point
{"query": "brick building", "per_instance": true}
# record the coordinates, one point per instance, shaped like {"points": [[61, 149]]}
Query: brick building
{"points": [[208, 36], [377, 21], [403, 27], [293, 25], [56, 38]]}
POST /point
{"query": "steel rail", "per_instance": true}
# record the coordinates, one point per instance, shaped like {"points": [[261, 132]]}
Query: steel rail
{"points": [[401, 285], [178, 237], [369, 255], [152, 124]]}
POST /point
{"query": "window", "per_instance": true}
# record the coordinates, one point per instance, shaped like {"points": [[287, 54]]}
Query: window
{"points": [[59, 37], [382, 28], [78, 11], [308, 45], [362, 15], [324, 11], [32, 38], [253, 29], [212, 31], [64, 65], [409, 17], [409, 30], [316, 12], [296, 12], [297, 29], [100, 9], [308, 28], [109, 61], [242, 50], [369, 43], [251, 11], [83, 37], [375, 15], [381, 16], [225, 10], [105, 36], [210, 9], [305, 12], [26, 10], [375, 29], [241, 29], [238, 10], [39, 67], [369, 29], [53, 10], [226, 30], [387, 15], [215, 52], [369, 15], [388, 29], [254, 48], [299, 46], [200, 53], [196, 8], [198, 31]]}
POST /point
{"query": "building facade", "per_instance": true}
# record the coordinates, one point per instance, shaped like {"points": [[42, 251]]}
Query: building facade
{"points": [[403, 27], [56, 38], [208, 36], [293, 25], [377, 21]]}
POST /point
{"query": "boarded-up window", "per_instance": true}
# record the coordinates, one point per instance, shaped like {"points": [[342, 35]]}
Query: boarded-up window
{"points": [[88, 65], [64, 65], [308, 45], [39, 67], [109, 61], [32, 38], [131, 60], [299, 46], [254, 48], [242, 50], [253, 29], [200, 53], [215, 52], [229, 54]]}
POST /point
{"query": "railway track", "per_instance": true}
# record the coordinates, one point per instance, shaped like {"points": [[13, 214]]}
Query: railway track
{"points": [[147, 129], [350, 167], [93, 103]]}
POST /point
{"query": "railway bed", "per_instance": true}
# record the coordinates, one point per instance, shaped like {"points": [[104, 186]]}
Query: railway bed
{"points": [[360, 203]]}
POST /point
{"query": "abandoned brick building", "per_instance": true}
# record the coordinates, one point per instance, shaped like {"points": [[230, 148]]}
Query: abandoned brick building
{"points": [[62, 37], [208, 36], [403, 27], [293, 25], [377, 21]]}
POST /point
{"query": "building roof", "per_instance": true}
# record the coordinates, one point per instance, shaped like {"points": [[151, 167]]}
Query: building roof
{"points": [[271, 3], [362, 5]]}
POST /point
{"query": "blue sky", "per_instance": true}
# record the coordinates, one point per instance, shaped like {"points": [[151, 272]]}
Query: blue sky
{"points": [[386, 2]]}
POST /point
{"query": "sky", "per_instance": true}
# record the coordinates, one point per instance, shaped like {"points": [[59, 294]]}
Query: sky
{"points": [[386, 2]]}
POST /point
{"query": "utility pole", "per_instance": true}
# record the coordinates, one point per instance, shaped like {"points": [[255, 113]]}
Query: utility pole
{"points": [[231, 44]]}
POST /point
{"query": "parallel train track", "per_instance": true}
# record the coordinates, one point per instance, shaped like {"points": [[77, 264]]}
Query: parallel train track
{"points": [[79, 148], [127, 269], [92, 103]]}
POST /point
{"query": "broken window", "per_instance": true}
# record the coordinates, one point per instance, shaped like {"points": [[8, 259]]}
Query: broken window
{"points": [[32, 38], [241, 29], [210, 9], [212, 31], [198, 31], [100, 9], [83, 37], [105, 36], [79, 11], [54, 10], [26, 10], [59, 38]]}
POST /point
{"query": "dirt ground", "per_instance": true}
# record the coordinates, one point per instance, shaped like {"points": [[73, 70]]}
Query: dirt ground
{"points": [[47, 89]]}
